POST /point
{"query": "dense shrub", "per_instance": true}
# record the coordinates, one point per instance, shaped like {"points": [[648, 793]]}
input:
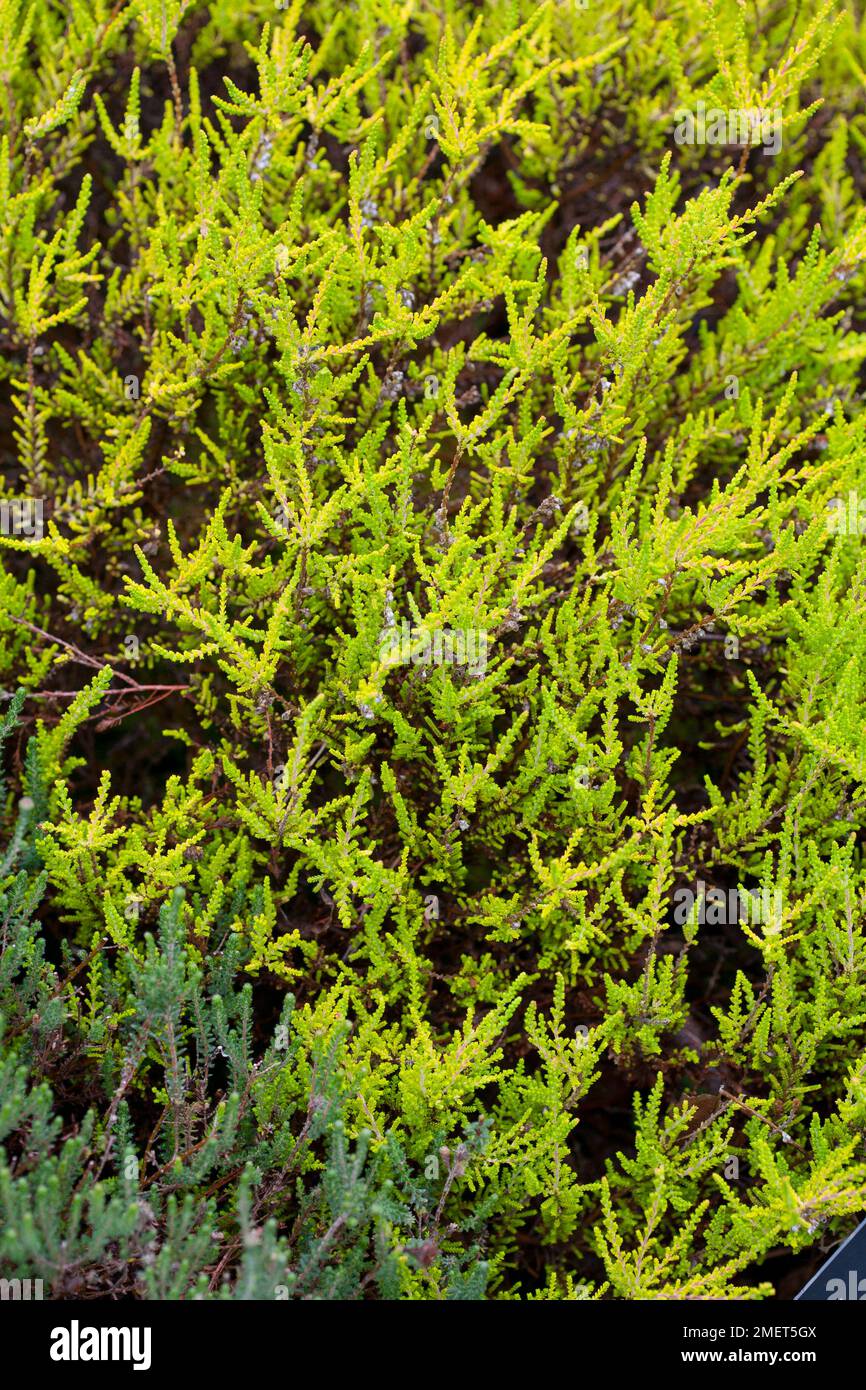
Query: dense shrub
{"points": [[433, 644]]}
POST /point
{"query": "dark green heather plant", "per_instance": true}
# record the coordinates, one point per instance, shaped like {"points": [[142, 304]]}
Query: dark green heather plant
{"points": [[433, 632]]}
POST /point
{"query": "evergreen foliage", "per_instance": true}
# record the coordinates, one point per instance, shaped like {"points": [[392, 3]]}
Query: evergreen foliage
{"points": [[439, 545]]}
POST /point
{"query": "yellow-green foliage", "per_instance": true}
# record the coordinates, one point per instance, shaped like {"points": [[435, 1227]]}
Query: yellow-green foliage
{"points": [[431, 576]]}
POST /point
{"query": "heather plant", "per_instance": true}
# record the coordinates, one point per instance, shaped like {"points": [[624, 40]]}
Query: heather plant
{"points": [[431, 614]]}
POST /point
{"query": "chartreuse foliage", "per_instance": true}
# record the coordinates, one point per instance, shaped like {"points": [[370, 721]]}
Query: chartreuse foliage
{"points": [[433, 577]]}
